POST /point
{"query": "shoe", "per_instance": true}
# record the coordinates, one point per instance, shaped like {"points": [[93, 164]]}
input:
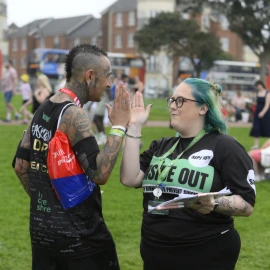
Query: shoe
{"points": [[259, 178], [6, 121], [254, 147], [17, 116], [102, 140], [24, 122]]}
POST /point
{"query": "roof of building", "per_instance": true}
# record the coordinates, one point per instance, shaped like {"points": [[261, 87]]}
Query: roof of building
{"points": [[29, 28], [121, 6], [52, 27], [64, 25], [90, 28], [13, 26]]}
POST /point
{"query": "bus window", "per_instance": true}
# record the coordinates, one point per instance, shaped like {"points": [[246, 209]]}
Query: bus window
{"points": [[136, 62], [35, 57]]}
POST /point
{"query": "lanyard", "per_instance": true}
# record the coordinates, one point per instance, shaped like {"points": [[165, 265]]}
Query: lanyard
{"points": [[164, 173], [72, 95]]}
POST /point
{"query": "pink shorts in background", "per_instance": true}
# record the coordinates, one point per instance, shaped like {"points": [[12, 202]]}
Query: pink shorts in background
{"points": [[256, 155]]}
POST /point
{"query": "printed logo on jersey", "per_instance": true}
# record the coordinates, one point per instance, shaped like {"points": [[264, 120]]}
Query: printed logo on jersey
{"points": [[40, 132], [251, 179], [182, 177], [45, 117], [201, 159]]}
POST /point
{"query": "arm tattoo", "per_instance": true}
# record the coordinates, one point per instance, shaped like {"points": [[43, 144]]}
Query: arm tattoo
{"points": [[107, 157], [22, 167], [76, 124], [233, 205], [26, 139], [22, 171]]}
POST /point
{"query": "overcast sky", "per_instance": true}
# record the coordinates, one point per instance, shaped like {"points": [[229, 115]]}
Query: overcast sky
{"points": [[22, 12]]}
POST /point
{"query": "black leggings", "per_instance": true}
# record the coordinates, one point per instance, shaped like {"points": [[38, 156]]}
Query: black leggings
{"points": [[220, 253], [98, 120]]}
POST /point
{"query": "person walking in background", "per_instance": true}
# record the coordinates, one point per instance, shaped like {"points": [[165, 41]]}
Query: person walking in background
{"points": [[203, 159], [76, 238], [26, 92], [239, 104], [99, 117], [138, 86], [61, 83], [115, 81], [261, 162], [261, 120], [10, 79], [42, 91]]}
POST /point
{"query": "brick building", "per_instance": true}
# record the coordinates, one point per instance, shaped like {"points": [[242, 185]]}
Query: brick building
{"points": [[3, 34], [118, 26], [51, 33], [114, 32]]}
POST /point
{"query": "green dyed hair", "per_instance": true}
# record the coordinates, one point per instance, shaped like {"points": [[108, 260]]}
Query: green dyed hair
{"points": [[209, 93]]}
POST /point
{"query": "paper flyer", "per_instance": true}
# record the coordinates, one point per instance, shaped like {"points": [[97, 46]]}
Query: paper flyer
{"points": [[185, 200]]}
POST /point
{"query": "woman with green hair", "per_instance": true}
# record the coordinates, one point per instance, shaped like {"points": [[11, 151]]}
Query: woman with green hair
{"points": [[203, 159]]}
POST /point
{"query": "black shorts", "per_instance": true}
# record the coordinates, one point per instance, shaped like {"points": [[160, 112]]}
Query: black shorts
{"points": [[24, 101], [106, 260], [219, 253]]}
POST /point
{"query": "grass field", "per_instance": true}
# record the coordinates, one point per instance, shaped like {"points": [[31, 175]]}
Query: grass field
{"points": [[122, 208], [159, 110]]}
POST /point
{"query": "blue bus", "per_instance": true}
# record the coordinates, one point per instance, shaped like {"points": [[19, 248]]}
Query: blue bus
{"points": [[50, 62]]}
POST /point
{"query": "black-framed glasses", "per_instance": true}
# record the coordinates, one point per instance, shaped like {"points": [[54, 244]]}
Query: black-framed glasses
{"points": [[179, 101]]}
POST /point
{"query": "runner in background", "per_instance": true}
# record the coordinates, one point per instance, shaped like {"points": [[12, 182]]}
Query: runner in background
{"points": [[10, 79], [99, 117], [26, 92]]}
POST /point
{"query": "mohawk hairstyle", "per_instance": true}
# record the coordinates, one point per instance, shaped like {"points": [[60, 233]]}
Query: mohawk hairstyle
{"points": [[82, 57]]}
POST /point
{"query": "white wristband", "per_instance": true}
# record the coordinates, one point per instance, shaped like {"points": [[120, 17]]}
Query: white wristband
{"points": [[119, 127]]}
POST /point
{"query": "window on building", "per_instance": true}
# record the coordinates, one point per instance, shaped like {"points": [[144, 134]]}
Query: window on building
{"points": [[224, 23], [205, 22], [3, 9], [185, 16], [118, 41], [14, 45], [142, 19], [131, 18], [153, 13], [119, 19], [152, 64], [94, 40], [131, 40], [23, 44], [23, 61], [14, 61], [76, 41], [56, 42], [225, 44], [42, 43], [5, 34]]}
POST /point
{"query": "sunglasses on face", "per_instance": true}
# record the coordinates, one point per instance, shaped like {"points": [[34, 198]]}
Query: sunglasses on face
{"points": [[179, 101]]}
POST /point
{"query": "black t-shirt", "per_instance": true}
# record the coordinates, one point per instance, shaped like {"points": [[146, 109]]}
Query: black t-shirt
{"points": [[78, 231], [215, 162]]}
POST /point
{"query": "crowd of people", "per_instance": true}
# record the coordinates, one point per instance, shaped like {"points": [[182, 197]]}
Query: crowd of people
{"points": [[43, 90], [201, 159]]}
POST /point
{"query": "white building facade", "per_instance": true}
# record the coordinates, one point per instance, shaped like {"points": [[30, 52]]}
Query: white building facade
{"points": [[3, 30], [159, 67]]}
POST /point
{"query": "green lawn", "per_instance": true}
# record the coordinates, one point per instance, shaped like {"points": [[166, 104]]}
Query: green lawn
{"points": [[122, 208], [159, 111]]}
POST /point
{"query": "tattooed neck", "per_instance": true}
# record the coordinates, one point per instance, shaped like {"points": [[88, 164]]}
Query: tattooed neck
{"points": [[80, 89]]}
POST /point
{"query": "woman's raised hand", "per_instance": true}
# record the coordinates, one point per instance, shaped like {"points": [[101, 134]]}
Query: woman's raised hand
{"points": [[120, 113], [139, 114]]}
